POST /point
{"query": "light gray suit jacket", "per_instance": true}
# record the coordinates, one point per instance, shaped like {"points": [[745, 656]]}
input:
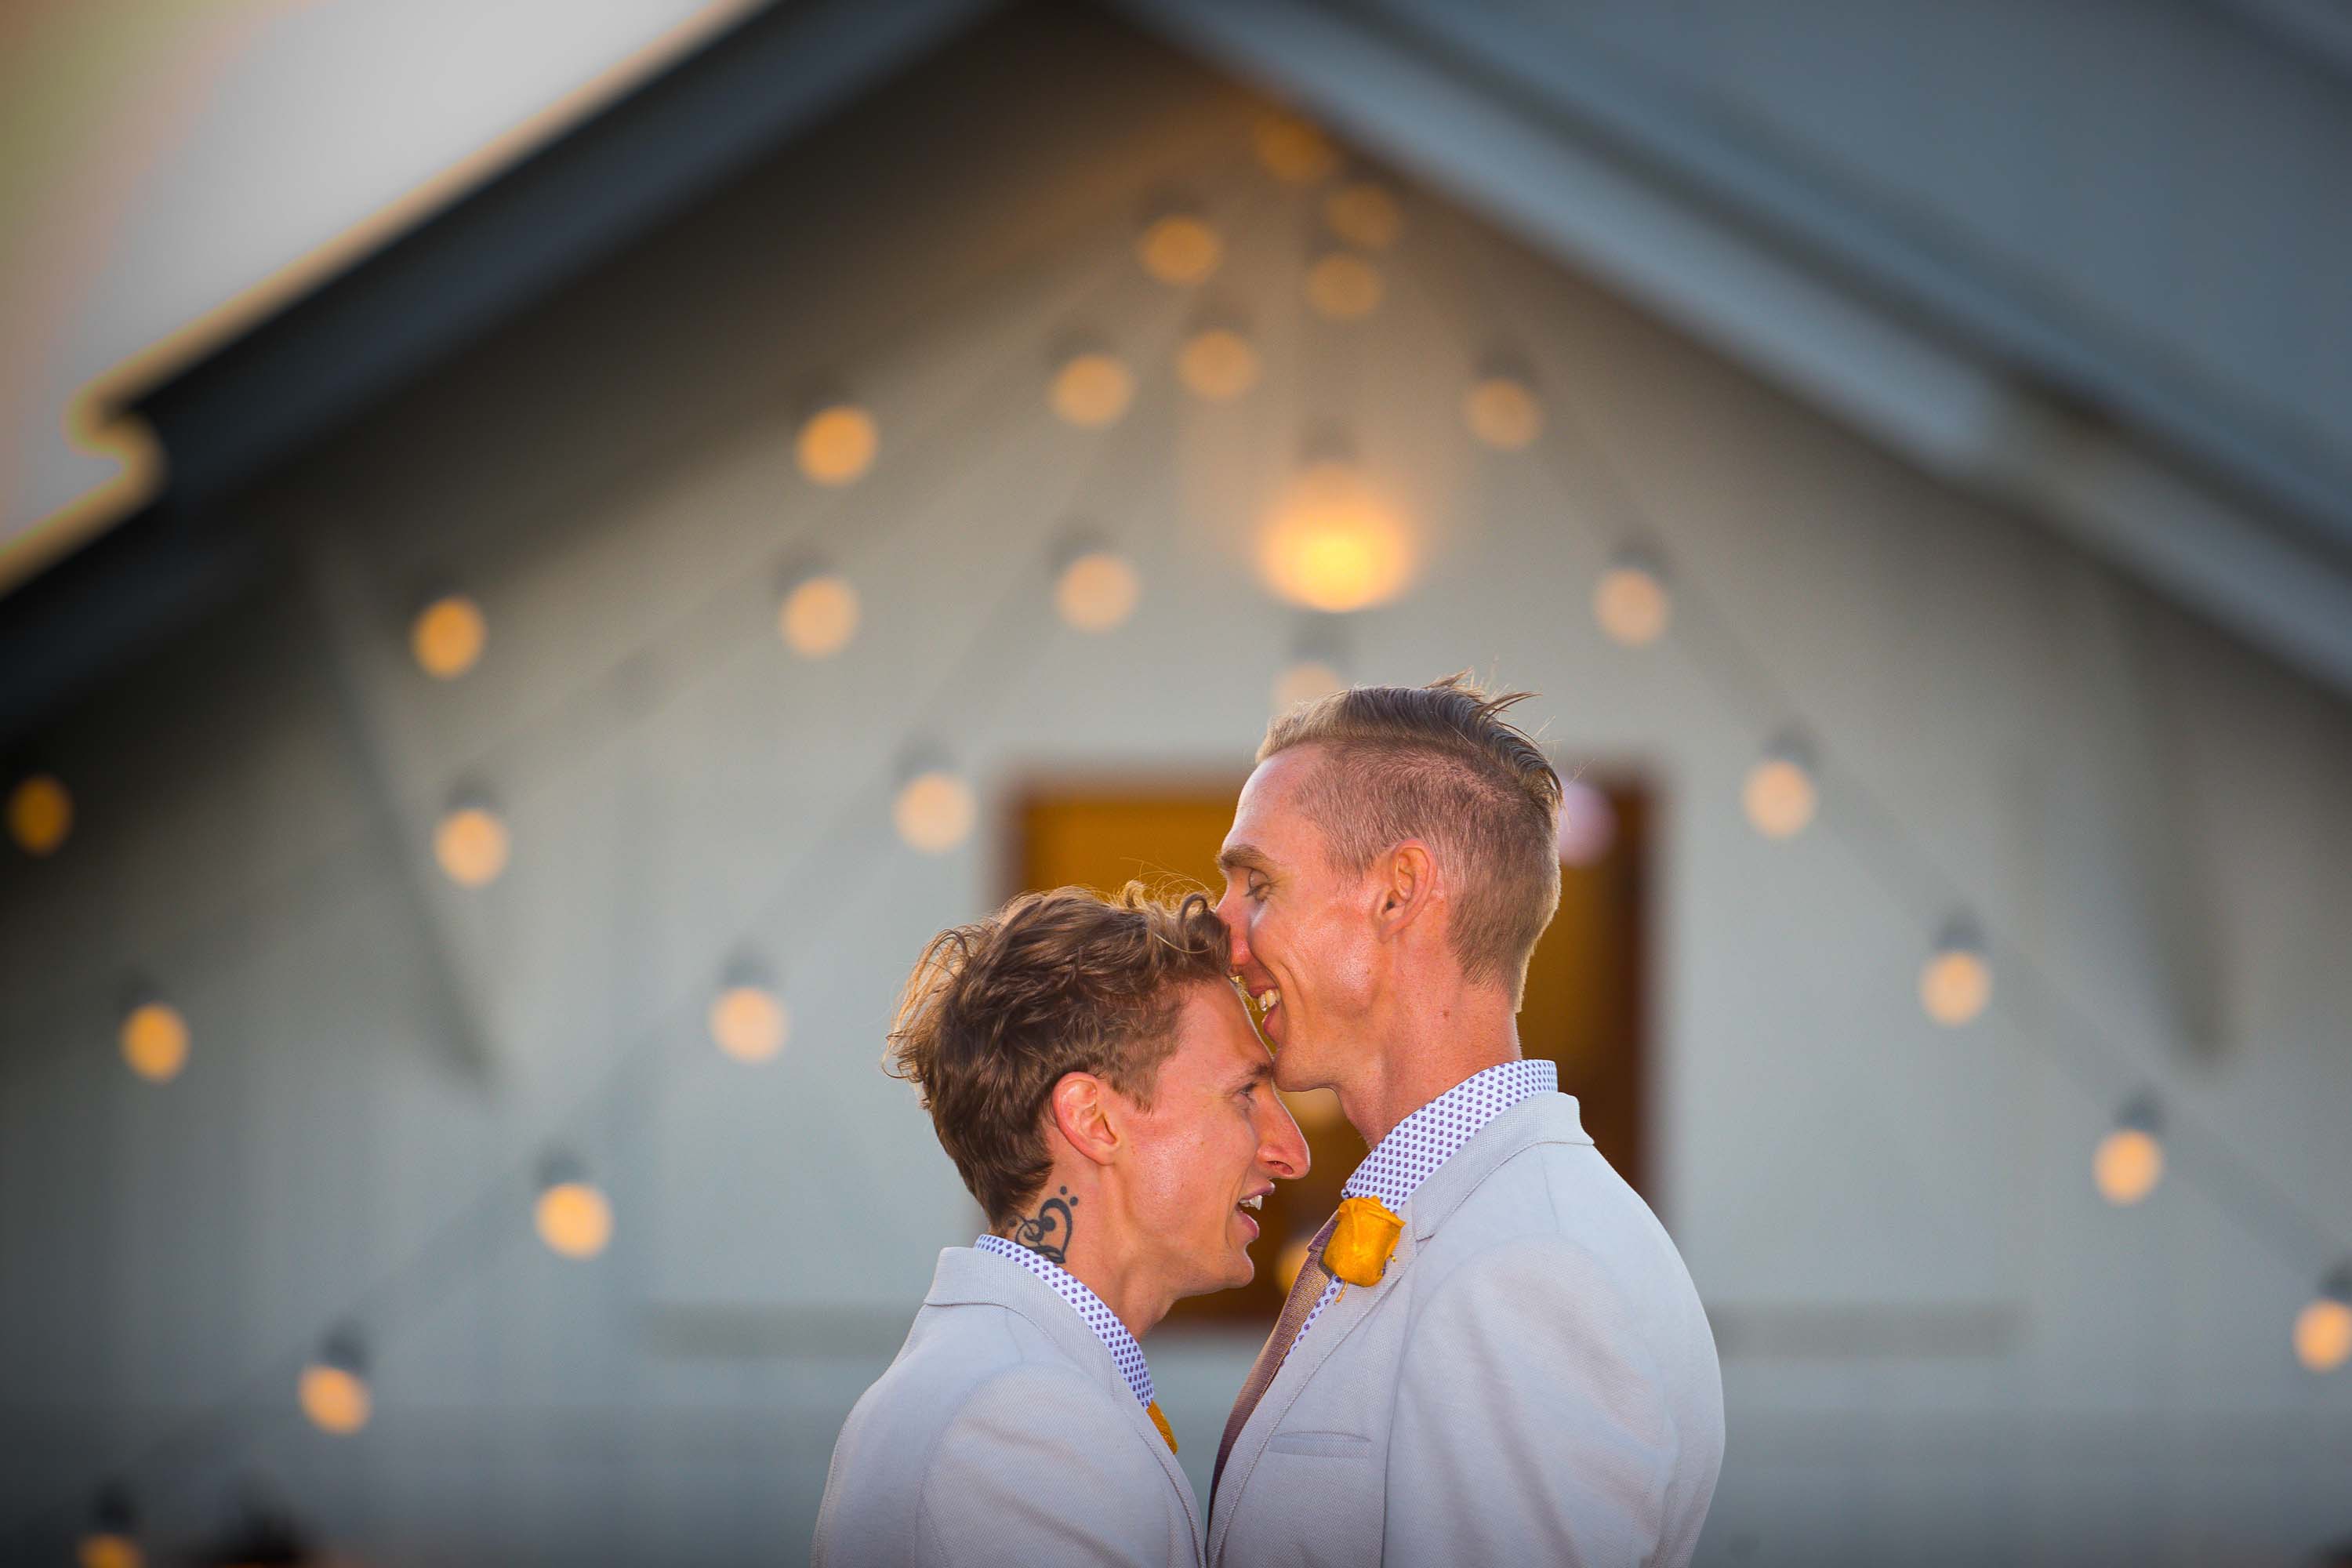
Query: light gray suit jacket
{"points": [[1533, 1380], [1003, 1434]]}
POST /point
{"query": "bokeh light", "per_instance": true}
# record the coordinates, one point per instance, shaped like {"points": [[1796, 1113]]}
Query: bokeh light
{"points": [[748, 1021], [2127, 1165], [1502, 411], [448, 636], [1293, 150], [819, 614], [1630, 601], [1097, 590], [335, 1396], [1588, 823], [1332, 542], [837, 444], [154, 1040], [934, 811], [1779, 795], [2323, 1332], [1955, 982], [1343, 287], [1092, 389], [40, 814], [470, 843], [1218, 364], [107, 1549], [575, 1218], [1179, 249]]}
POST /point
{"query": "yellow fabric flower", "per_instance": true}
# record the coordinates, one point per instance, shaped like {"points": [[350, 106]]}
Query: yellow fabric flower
{"points": [[1362, 1241], [1161, 1421]]}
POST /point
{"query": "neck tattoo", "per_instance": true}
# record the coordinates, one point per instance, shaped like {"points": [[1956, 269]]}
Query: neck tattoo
{"points": [[1047, 1231]]}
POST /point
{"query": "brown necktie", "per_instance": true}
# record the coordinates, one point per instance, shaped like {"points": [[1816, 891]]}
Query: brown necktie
{"points": [[1305, 1291]]}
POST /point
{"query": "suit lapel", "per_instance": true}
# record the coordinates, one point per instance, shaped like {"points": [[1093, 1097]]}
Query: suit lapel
{"points": [[1331, 1330]]}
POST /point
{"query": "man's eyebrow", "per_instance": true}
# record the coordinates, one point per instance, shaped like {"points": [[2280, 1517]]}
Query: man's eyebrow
{"points": [[1235, 857]]}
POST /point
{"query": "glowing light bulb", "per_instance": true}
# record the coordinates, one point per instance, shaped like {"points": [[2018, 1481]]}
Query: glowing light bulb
{"points": [[2127, 1165], [575, 1218], [154, 1041], [1333, 544], [1343, 287], [837, 444], [470, 843], [1179, 249], [1092, 389], [748, 1021], [1293, 151], [448, 636], [2323, 1329], [1956, 982], [1365, 214], [1097, 590], [1780, 796], [1502, 411], [1630, 600], [333, 1389], [105, 1549], [40, 814], [819, 614], [934, 811], [1217, 364]]}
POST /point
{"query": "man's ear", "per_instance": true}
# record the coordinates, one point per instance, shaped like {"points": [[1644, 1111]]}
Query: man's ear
{"points": [[1082, 1110], [1407, 885]]}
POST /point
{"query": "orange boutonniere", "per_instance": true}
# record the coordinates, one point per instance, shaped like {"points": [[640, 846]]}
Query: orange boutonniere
{"points": [[1160, 1419], [1361, 1242]]}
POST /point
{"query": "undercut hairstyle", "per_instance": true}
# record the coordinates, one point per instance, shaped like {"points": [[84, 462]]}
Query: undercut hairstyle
{"points": [[1440, 764], [998, 1012]]}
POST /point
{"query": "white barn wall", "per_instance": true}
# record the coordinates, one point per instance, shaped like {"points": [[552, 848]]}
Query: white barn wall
{"points": [[612, 477]]}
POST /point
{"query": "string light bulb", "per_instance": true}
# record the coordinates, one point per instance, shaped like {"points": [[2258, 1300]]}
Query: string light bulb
{"points": [[2129, 1160], [1364, 212], [1779, 795], [1294, 150], [1178, 245], [334, 1388], [1095, 588], [154, 1036], [2323, 1329], [819, 612], [470, 841], [448, 633], [1501, 407], [1630, 598], [934, 809], [1342, 285], [837, 443], [1332, 542], [748, 1020], [1091, 387], [1955, 982], [572, 1216], [110, 1542], [1217, 361], [40, 814]]}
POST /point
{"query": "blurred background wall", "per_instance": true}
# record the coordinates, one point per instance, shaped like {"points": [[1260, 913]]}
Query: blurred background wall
{"points": [[320, 969]]}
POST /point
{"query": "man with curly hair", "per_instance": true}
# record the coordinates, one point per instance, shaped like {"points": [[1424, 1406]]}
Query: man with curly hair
{"points": [[1090, 1069]]}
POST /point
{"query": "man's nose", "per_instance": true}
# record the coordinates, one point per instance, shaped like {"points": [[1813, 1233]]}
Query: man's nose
{"points": [[1282, 1148]]}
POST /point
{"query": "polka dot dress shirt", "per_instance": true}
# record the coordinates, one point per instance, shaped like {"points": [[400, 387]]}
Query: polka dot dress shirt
{"points": [[1416, 1146], [1125, 1354]]}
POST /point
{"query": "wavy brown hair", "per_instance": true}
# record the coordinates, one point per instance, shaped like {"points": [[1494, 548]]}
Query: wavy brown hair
{"points": [[998, 1012], [1440, 762]]}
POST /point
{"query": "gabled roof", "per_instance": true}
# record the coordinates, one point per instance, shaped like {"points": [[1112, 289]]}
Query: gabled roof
{"points": [[1922, 345]]}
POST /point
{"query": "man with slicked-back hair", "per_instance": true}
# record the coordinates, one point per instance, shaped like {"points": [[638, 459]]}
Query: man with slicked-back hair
{"points": [[1494, 1353]]}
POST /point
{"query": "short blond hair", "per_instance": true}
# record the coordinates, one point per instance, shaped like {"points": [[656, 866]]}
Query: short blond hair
{"points": [[998, 1012], [1440, 764]]}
